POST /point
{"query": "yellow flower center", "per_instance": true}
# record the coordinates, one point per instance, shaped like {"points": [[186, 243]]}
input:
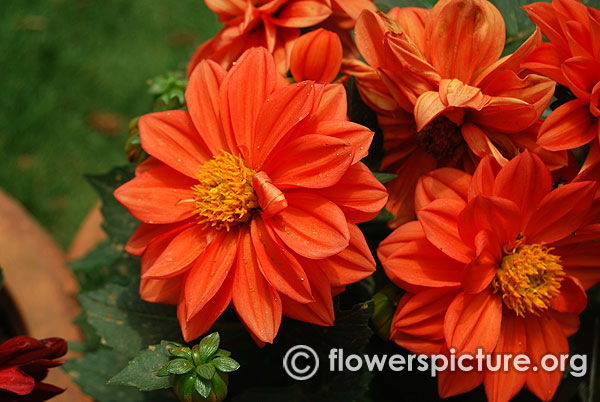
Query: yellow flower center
{"points": [[440, 138], [224, 197], [529, 278]]}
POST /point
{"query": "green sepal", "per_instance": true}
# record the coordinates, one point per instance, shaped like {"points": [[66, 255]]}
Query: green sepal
{"points": [[203, 387], [179, 366], [225, 364], [208, 346], [206, 371]]}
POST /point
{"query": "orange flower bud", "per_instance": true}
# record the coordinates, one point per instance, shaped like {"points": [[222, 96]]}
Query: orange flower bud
{"points": [[317, 56]]}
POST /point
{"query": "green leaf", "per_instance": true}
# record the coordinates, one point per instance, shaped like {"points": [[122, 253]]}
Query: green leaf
{"points": [[209, 345], [222, 353], [118, 222], [203, 387], [125, 322], [384, 177], [206, 371], [142, 371], [179, 366], [225, 364], [182, 351], [93, 371]]}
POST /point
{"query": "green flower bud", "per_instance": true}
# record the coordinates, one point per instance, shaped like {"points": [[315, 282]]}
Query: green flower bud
{"points": [[133, 146], [200, 373], [384, 306], [168, 90]]}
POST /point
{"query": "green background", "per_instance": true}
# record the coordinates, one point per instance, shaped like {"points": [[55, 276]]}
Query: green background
{"points": [[64, 64]]}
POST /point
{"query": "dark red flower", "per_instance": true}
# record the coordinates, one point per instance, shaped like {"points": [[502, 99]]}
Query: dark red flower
{"points": [[24, 363]]}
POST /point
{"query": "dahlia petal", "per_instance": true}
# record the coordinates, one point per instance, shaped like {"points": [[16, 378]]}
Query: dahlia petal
{"points": [[162, 291], [242, 94], [546, 59], [13, 379], [145, 232], [311, 226], [421, 263], [483, 178], [455, 93], [256, 302], [202, 99], [416, 344], [525, 180], [157, 196], [510, 62], [581, 261], [302, 13], [207, 274], [278, 115], [464, 37], [422, 314], [501, 385], [176, 257], [493, 115], [357, 193], [544, 336], [534, 89], [572, 297], [279, 266], [480, 144], [319, 311], [440, 223], [482, 270], [353, 8], [355, 134], [560, 212], [441, 183], [148, 164], [570, 126], [333, 104], [544, 16], [473, 321], [172, 138], [581, 73], [369, 32], [413, 21], [352, 264], [271, 199], [452, 383], [497, 215], [402, 189], [428, 107], [201, 322], [569, 322], [313, 161], [401, 235]]}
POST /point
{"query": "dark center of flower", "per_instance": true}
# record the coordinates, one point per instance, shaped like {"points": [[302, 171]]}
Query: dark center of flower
{"points": [[529, 278], [224, 196], [440, 138]]}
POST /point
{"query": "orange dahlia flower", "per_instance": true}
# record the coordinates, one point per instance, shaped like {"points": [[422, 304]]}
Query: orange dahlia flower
{"points": [[571, 58], [499, 261], [252, 197], [443, 95], [275, 25]]}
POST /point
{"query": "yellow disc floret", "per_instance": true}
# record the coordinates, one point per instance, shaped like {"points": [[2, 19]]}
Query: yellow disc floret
{"points": [[224, 197], [529, 278]]}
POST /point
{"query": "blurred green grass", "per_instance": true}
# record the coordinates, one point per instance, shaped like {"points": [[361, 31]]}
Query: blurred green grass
{"points": [[62, 62]]}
